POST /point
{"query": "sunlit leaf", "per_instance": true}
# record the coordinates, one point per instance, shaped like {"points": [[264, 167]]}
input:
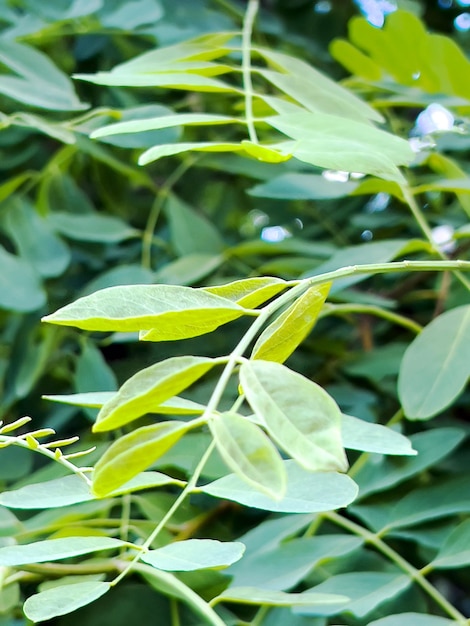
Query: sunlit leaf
{"points": [[358, 434], [194, 554], [436, 367], [249, 453], [133, 453], [150, 388], [173, 312], [279, 340], [253, 595], [249, 292], [298, 414]]}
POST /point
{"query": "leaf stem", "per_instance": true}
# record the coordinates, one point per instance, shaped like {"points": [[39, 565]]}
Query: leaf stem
{"points": [[414, 574], [251, 11]]}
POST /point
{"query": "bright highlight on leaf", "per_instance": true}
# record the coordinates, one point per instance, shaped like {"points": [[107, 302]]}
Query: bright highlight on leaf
{"points": [[133, 453], [150, 388], [195, 554], [55, 550], [298, 414], [170, 312], [249, 453]]}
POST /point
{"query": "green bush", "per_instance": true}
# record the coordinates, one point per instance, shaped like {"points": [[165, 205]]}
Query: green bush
{"points": [[307, 240]]}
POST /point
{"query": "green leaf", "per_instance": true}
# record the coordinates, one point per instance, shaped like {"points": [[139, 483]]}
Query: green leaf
{"points": [[132, 274], [436, 367], [299, 186], [189, 269], [337, 143], [184, 221], [307, 492], [93, 374], [456, 550], [284, 565], [20, 288], [91, 227], [431, 446], [35, 241], [63, 599], [298, 414], [279, 340], [268, 597], [358, 434], [417, 619], [68, 490], [133, 453], [249, 453], [38, 82], [314, 90], [173, 312], [249, 292], [367, 591], [166, 80], [55, 550], [355, 61], [96, 399], [194, 554], [164, 121], [150, 388]]}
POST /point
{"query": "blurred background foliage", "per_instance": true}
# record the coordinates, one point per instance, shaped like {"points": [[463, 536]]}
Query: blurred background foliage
{"points": [[77, 215]]}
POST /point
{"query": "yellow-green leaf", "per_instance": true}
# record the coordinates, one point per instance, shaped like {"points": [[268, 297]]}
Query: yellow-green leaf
{"points": [[133, 453], [298, 414], [249, 292], [279, 340], [249, 453], [173, 312], [147, 390]]}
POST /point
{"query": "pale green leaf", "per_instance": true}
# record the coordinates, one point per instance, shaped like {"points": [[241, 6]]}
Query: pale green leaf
{"points": [[173, 312], [68, 490], [456, 549], [297, 413], [367, 591], [358, 434], [307, 492], [300, 186], [195, 554], [167, 80], [20, 287], [165, 121], [249, 292], [279, 340], [336, 143], [55, 550], [436, 367], [150, 388], [253, 595], [63, 599], [314, 90], [133, 453], [249, 453]]}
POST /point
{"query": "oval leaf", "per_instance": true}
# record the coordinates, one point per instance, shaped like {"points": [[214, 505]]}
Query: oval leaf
{"points": [[133, 453], [249, 453], [149, 388], [63, 599], [279, 340], [298, 414], [173, 312], [269, 597], [194, 554], [436, 367], [361, 435], [55, 549], [307, 492], [456, 550]]}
